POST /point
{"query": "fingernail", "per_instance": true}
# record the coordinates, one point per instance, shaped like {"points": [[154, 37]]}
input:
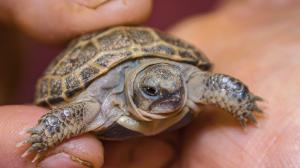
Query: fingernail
{"points": [[62, 160]]}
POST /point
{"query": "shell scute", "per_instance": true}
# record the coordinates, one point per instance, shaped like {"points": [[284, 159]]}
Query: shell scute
{"points": [[108, 60], [88, 73], [160, 49], [55, 91], [141, 37], [186, 54], [56, 87], [77, 57], [72, 84], [113, 41], [174, 41], [42, 90]]}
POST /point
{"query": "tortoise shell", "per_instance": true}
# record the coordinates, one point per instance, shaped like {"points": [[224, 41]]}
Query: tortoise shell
{"points": [[92, 55]]}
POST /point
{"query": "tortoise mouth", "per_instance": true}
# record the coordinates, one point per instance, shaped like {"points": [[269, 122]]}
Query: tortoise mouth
{"points": [[166, 105]]}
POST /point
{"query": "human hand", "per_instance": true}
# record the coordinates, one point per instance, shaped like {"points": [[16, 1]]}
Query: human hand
{"points": [[257, 46], [257, 42]]}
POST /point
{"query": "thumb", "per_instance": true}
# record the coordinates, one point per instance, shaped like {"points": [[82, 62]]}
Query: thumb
{"points": [[57, 20], [83, 151]]}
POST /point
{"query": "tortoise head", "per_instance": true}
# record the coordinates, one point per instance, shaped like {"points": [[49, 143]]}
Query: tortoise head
{"points": [[158, 91]]}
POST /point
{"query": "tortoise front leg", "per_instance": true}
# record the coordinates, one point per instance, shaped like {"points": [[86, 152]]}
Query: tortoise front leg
{"points": [[59, 124], [225, 92]]}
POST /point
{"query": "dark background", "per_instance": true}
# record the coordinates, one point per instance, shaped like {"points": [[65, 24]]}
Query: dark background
{"points": [[36, 56]]}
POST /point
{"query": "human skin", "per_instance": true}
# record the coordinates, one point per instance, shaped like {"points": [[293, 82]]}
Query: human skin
{"points": [[255, 41], [55, 21]]}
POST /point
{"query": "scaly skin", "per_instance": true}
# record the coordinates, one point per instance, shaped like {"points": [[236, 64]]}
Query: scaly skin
{"points": [[225, 92], [59, 124]]}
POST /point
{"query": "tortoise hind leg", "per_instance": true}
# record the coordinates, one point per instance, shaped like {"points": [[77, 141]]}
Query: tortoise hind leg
{"points": [[59, 124]]}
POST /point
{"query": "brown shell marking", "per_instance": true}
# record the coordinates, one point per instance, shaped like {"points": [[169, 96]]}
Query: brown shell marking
{"points": [[92, 55]]}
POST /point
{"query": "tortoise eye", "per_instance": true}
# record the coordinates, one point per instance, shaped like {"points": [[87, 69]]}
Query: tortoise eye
{"points": [[150, 91]]}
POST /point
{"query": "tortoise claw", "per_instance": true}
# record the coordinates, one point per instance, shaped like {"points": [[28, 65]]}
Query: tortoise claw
{"points": [[36, 142], [37, 157], [34, 138], [257, 98], [31, 150], [252, 118], [36, 148], [257, 109], [243, 123], [28, 152], [19, 144], [34, 130], [248, 115]]}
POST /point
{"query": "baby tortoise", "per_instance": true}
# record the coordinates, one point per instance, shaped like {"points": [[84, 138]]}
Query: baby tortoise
{"points": [[126, 82]]}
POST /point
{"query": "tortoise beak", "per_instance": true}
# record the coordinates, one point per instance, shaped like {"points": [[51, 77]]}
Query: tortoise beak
{"points": [[166, 105]]}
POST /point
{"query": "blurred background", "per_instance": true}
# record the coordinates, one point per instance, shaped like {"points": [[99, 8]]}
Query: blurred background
{"points": [[22, 60]]}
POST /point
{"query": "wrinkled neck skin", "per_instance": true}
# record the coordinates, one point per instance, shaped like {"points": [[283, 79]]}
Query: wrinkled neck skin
{"points": [[108, 91]]}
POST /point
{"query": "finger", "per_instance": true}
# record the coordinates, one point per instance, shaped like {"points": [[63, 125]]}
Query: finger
{"points": [[56, 20], [148, 152], [85, 150]]}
